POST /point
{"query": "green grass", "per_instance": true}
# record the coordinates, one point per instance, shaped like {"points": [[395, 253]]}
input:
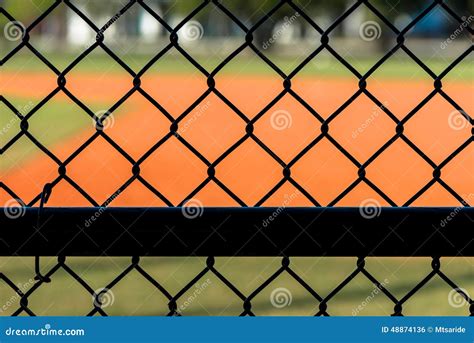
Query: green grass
{"points": [[55, 122], [398, 66], [136, 296]]}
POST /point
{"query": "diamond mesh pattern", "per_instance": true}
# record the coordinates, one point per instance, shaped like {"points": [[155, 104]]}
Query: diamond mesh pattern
{"points": [[286, 80], [210, 75], [323, 304]]}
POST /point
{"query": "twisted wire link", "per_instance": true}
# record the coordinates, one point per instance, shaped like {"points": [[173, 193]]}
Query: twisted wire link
{"points": [[210, 75]]}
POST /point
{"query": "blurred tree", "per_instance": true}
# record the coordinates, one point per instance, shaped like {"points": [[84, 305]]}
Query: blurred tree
{"points": [[215, 22], [25, 11]]}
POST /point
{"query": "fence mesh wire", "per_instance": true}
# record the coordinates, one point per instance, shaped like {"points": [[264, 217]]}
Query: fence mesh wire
{"points": [[286, 79], [322, 303]]}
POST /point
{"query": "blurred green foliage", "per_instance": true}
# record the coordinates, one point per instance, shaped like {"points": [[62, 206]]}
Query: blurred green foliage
{"points": [[25, 9]]}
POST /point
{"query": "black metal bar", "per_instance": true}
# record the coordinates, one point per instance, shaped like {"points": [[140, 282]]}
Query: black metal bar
{"points": [[254, 231], [239, 232]]}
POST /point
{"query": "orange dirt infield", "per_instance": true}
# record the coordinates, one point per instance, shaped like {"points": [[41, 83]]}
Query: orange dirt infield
{"points": [[212, 127]]}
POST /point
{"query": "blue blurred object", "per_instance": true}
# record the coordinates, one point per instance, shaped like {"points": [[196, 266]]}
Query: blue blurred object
{"points": [[432, 25]]}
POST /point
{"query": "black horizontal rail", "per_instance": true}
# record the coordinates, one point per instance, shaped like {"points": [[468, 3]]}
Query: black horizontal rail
{"points": [[239, 232], [255, 231]]}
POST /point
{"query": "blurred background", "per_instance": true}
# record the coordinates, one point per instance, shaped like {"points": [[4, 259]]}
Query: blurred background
{"points": [[284, 34], [209, 37], [134, 295]]}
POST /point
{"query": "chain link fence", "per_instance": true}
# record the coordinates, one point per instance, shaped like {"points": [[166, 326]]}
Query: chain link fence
{"points": [[41, 217], [268, 294]]}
